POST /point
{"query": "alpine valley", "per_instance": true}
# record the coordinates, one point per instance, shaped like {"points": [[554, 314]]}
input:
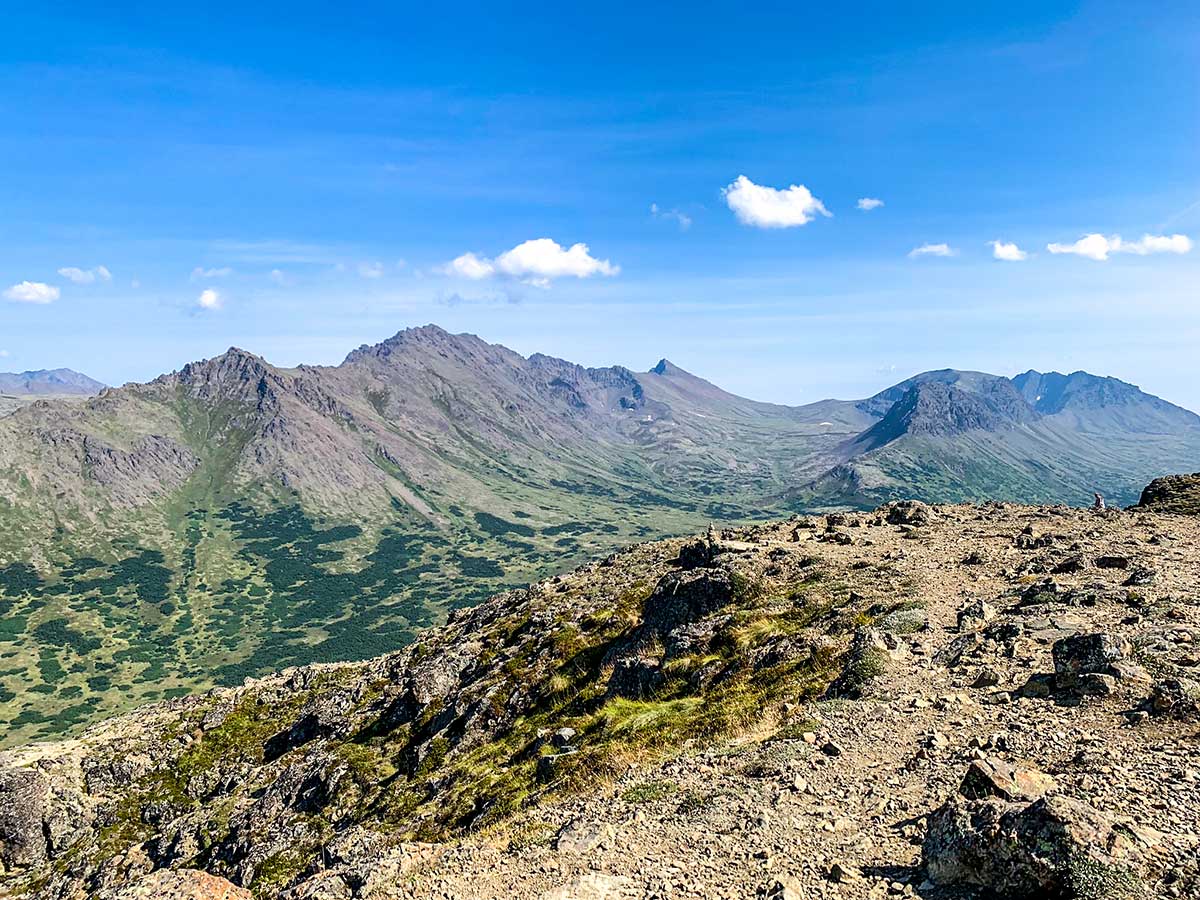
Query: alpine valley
{"points": [[234, 518]]}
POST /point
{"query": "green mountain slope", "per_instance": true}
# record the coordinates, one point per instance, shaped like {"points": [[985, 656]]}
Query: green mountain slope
{"points": [[235, 518]]}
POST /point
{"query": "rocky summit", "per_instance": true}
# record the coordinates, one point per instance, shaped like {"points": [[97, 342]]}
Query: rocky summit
{"points": [[935, 701]]}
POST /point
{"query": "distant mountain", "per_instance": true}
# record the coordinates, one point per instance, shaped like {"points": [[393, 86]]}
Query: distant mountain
{"points": [[1093, 402], [938, 408], [48, 381], [234, 517], [950, 435]]}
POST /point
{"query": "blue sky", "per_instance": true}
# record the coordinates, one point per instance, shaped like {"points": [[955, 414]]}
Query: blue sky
{"points": [[299, 179]]}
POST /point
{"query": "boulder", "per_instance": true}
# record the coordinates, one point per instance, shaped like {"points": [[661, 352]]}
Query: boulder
{"points": [[1052, 847], [907, 512], [975, 615], [698, 554], [1178, 494], [688, 596], [1081, 655], [997, 778]]}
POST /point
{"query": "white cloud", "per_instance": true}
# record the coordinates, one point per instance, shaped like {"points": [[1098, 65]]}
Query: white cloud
{"points": [[1098, 246], [210, 299], [33, 292], [473, 267], [932, 250], [370, 269], [200, 273], [1158, 243], [85, 276], [1007, 252], [866, 204], [768, 207], [535, 262], [682, 219]]}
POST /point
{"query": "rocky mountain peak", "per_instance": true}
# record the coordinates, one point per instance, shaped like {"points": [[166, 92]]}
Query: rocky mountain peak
{"points": [[938, 408], [422, 337]]}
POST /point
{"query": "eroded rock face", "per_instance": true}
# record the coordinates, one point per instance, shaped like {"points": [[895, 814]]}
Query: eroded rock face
{"points": [[22, 817]]}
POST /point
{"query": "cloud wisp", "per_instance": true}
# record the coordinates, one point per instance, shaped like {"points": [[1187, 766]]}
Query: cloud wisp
{"points": [[1099, 247], [932, 250], [866, 204], [202, 274], [85, 276], [766, 207], [210, 299], [33, 292], [537, 262], [1008, 252], [683, 220]]}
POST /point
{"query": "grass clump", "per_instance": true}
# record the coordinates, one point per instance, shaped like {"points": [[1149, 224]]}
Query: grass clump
{"points": [[650, 791]]}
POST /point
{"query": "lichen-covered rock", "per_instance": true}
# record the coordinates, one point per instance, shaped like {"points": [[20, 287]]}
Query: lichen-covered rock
{"points": [[907, 512], [1173, 494], [22, 817], [1053, 847], [1081, 655]]}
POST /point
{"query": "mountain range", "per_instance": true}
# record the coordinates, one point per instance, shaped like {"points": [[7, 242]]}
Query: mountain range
{"points": [[233, 517], [20, 388]]}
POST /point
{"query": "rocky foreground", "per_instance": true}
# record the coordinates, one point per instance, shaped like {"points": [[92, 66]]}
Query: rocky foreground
{"points": [[931, 702]]}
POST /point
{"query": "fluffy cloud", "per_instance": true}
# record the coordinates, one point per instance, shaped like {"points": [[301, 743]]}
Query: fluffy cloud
{"points": [[473, 267], [1099, 246], [535, 262], [768, 207], [932, 250], [33, 292], [210, 299], [866, 204], [85, 276], [1007, 252], [682, 219], [200, 273]]}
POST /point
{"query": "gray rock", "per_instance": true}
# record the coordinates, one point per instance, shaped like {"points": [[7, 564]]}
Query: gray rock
{"points": [[23, 794], [1084, 654], [1053, 847]]}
